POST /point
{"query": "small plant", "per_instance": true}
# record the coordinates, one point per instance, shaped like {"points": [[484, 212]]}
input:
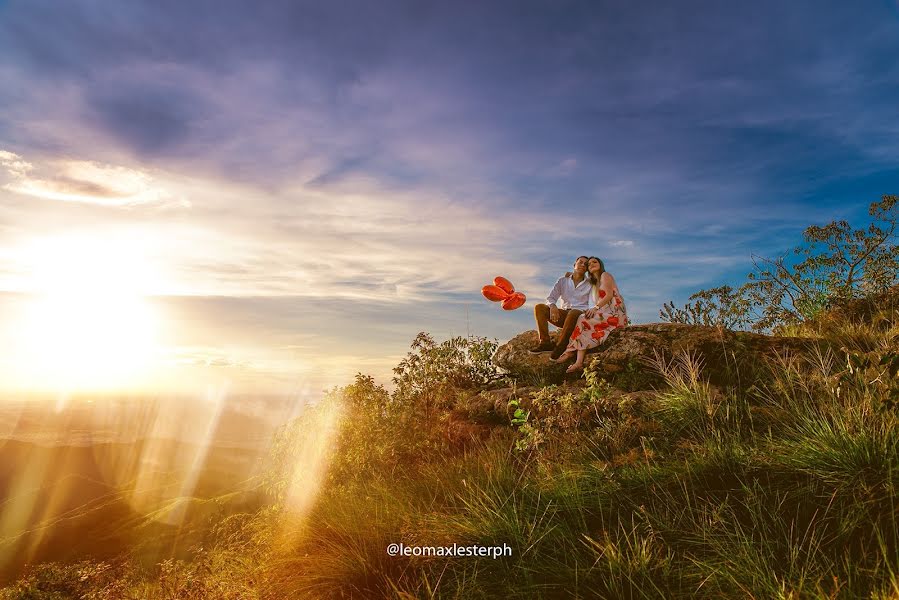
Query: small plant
{"points": [[598, 388], [520, 416], [558, 415]]}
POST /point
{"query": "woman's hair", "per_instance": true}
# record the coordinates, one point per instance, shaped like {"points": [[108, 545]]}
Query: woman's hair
{"points": [[602, 269]]}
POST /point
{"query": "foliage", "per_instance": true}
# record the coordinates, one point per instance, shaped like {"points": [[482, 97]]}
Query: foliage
{"points": [[305, 442], [431, 370], [557, 413], [383, 434], [875, 373], [787, 489], [378, 435], [835, 263], [718, 307], [85, 579], [520, 416], [553, 414]]}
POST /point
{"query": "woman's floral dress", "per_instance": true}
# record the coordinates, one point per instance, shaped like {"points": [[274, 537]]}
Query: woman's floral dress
{"points": [[589, 333]]}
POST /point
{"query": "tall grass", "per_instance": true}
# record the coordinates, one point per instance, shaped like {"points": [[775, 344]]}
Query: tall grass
{"points": [[689, 406], [783, 490]]}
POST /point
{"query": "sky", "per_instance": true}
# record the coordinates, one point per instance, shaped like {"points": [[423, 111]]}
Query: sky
{"points": [[274, 196]]}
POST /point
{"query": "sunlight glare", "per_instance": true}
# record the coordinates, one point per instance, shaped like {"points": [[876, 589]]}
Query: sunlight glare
{"points": [[90, 325]]}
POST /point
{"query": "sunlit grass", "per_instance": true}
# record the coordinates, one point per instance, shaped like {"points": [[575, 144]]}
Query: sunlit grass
{"points": [[782, 489]]}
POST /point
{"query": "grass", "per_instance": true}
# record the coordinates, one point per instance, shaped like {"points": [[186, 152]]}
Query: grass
{"points": [[783, 490]]}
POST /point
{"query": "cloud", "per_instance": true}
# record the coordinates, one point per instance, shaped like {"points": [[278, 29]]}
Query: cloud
{"points": [[354, 240], [86, 182], [14, 164], [150, 118], [622, 243], [205, 357], [613, 97]]}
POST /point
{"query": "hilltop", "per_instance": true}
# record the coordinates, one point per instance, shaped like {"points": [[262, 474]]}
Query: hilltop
{"points": [[687, 461]]}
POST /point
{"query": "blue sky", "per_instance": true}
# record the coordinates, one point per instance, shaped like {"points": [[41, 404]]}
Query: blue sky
{"points": [[312, 183]]}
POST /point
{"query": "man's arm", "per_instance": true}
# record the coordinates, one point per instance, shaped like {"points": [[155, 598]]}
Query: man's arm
{"points": [[555, 294]]}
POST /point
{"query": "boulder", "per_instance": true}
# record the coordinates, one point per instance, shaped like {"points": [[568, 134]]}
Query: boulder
{"points": [[537, 369], [492, 405], [626, 358]]}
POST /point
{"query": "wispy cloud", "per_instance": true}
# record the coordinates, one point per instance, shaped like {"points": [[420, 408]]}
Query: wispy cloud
{"points": [[355, 239], [85, 181]]}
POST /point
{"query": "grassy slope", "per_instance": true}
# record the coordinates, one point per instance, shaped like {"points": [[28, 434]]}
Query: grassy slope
{"points": [[783, 490]]}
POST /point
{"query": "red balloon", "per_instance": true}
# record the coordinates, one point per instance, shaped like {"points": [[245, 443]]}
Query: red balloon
{"points": [[494, 293], [514, 301], [502, 282]]}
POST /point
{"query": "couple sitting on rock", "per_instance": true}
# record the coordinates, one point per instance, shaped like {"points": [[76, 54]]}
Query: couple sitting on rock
{"points": [[586, 305]]}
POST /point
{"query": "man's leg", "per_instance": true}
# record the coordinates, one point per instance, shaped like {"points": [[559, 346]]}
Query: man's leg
{"points": [[571, 318], [541, 315]]}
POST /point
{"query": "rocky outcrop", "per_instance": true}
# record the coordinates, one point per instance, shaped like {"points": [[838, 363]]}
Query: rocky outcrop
{"points": [[626, 358], [514, 358]]}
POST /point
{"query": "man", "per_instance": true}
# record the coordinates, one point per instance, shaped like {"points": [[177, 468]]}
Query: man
{"points": [[565, 303]]}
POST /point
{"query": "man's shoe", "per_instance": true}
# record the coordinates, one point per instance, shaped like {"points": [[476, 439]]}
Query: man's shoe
{"points": [[557, 352], [542, 347]]}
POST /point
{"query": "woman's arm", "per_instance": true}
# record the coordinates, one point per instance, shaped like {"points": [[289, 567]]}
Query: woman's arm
{"points": [[606, 287]]}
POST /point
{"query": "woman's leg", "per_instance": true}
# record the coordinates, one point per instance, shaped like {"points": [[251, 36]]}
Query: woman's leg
{"points": [[578, 364], [580, 357], [569, 352], [564, 352]]}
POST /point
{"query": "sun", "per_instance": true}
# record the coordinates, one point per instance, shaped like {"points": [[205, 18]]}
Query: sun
{"points": [[90, 324]]}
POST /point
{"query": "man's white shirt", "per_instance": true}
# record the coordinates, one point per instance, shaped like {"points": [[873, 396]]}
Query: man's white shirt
{"points": [[566, 294]]}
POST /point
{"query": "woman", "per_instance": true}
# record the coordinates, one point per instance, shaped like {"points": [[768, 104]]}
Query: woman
{"points": [[595, 325]]}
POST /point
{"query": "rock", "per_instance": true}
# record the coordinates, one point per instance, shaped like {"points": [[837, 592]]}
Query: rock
{"points": [[514, 358], [492, 406], [478, 409], [626, 358]]}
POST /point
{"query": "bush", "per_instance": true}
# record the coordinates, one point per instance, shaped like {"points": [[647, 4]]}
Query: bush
{"points": [[835, 264], [717, 307], [85, 579], [382, 434], [432, 372]]}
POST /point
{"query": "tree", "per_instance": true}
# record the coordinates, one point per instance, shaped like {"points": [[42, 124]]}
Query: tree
{"points": [[835, 263], [838, 263]]}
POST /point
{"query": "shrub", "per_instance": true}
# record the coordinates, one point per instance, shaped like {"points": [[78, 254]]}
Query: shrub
{"points": [[432, 372], [382, 434], [836, 263], [85, 579], [718, 307], [559, 415]]}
